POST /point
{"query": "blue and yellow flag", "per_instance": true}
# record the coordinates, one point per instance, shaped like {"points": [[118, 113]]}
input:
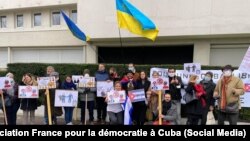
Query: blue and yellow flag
{"points": [[130, 18], [74, 29]]}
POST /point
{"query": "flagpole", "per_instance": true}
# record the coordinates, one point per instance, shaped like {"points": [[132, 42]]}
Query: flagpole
{"points": [[122, 51]]}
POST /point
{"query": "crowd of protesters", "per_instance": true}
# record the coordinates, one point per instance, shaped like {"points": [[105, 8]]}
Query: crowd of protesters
{"points": [[206, 92]]}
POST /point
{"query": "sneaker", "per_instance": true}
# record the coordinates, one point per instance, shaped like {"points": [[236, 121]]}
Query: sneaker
{"points": [[70, 123]]}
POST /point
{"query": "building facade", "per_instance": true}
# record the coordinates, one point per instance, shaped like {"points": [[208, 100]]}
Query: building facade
{"points": [[209, 32]]}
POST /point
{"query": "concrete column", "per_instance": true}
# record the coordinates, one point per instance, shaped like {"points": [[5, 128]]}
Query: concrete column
{"points": [[201, 52], [91, 54]]}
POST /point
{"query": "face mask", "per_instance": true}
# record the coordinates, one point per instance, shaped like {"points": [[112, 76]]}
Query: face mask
{"points": [[86, 75], [227, 73], [11, 81], [132, 69], [207, 78], [171, 74]]}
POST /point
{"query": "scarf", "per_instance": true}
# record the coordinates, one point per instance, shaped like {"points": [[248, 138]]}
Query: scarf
{"points": [[223, 101], [165, 107], [200, 93]]}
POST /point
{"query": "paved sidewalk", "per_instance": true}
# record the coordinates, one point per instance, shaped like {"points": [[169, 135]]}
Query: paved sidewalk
{"points": [[76, 118]]}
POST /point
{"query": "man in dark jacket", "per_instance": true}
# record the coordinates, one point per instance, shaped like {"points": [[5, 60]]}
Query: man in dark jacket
{"points": [[101, 75], [169, 110], [175, 85], [209, 87]]}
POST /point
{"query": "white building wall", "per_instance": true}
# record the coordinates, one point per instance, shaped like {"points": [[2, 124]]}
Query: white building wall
{"points": [[20, 4], [38, 41], [173, 17], [201, 23]]}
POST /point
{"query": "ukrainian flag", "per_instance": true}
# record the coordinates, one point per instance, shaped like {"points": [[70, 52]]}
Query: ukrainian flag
{"points": [[130, 18], [74, 29]]}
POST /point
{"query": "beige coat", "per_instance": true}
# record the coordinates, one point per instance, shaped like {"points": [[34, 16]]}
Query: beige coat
{"points": [[231, 97]]}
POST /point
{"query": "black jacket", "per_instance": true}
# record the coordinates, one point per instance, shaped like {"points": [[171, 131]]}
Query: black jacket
{"points": [[194, 107], [209, 87], [144, 86], [173, 90]]}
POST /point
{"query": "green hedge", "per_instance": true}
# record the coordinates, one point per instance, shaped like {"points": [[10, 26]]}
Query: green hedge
{"points": [[3, 73], [39, 69]]}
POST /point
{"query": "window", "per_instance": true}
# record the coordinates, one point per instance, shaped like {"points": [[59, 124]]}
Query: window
{"points": [[74, 16], [19, 20], [55, 18], [3, 22], [37, 19]]}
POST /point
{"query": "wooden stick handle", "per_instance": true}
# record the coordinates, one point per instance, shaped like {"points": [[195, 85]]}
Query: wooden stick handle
{"points": [[160, 106], [4, 110], [85, 114], [48, 106]]}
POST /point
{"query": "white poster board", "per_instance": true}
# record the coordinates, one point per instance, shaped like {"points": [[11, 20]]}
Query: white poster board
{"points": [[160, 83], [192, 68], [5, 83], [87, 82], [66, 98], [245, 64], [28, 92], [137, 95], [103, 87], [115, 97], [76, 78], [46, 82]]}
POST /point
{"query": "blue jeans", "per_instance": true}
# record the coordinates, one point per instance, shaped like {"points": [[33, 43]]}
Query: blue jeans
{"points": [[68, 115], [116, 118]]}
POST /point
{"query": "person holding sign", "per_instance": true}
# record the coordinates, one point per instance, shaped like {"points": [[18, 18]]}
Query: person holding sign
{"points": [[154, 96], [113, 75], [169, 111], [68, 85], [141, 107], [209, 87], [28, 105], [55, 111], [12, 102], [87, 100], [195, 106], [115, 111], [129, 85], [101, 75], [49, 70], [175, 91], [228, 91]]}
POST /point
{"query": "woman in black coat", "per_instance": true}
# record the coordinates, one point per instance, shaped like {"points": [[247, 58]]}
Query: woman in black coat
{"points": [[141, 107], [195, 107], [28, 105], [209, 87]]}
